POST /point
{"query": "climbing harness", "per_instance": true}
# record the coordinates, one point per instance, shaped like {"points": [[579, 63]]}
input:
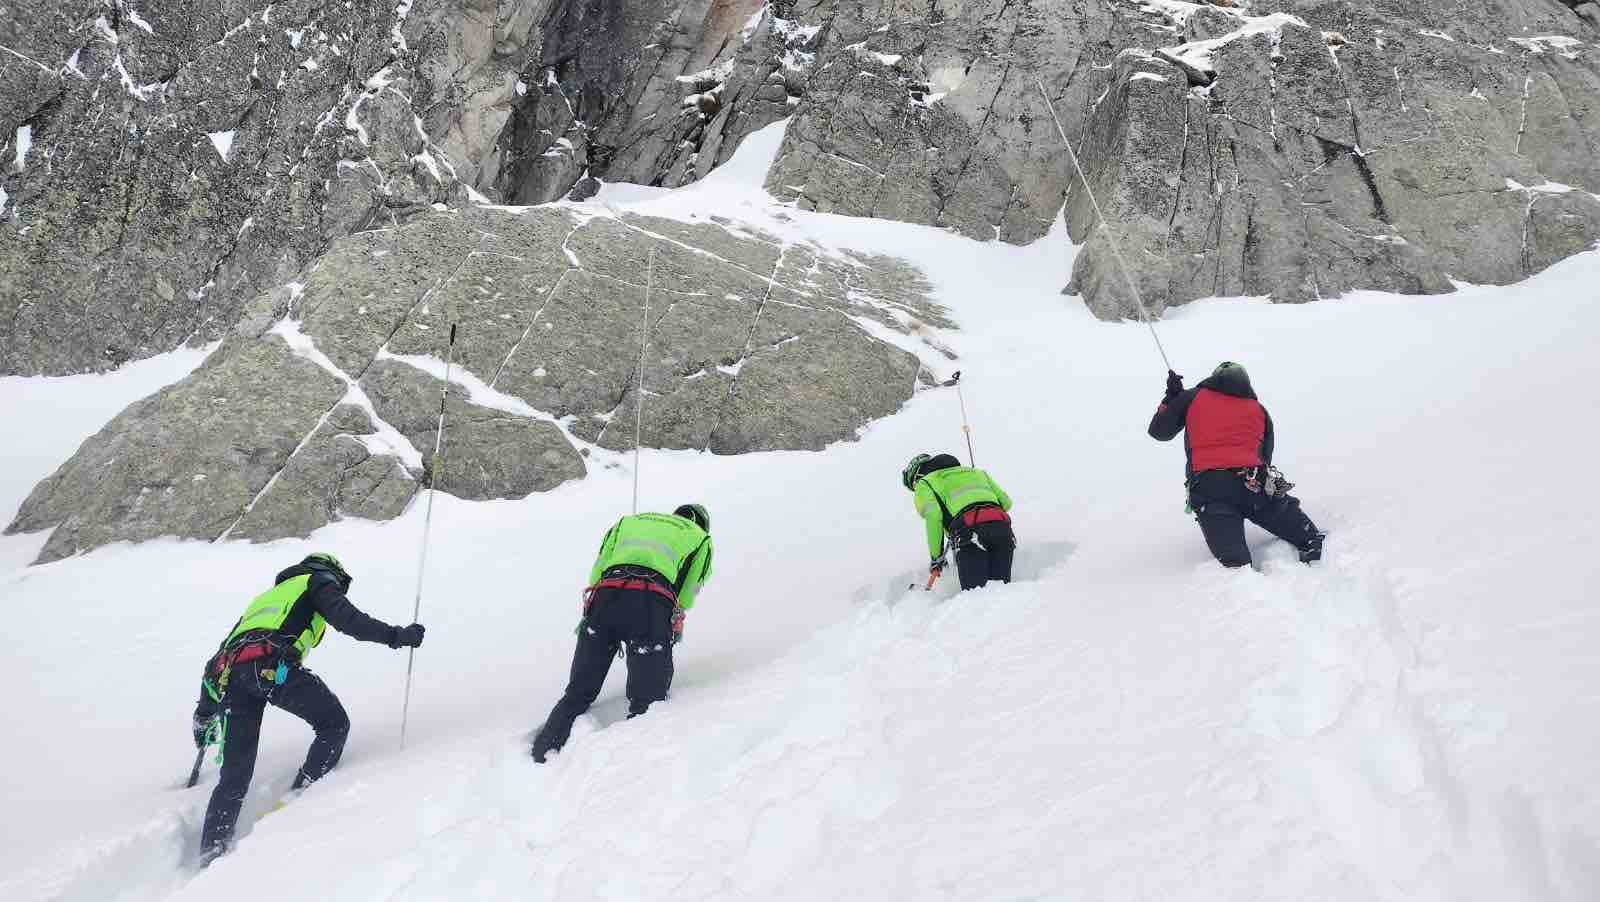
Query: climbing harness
{"points": [[1265, 480]]}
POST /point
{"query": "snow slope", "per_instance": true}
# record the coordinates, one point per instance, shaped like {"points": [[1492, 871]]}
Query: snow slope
{"points": [[1415, 719]]}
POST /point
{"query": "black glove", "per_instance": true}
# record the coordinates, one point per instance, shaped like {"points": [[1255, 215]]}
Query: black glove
{"points": [[938, 564], [1174, 383], [406, 636], [201, 729]]}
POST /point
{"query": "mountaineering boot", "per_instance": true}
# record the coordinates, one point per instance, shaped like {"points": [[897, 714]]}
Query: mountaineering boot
{"points": [[1312, 550], [212, 852]]}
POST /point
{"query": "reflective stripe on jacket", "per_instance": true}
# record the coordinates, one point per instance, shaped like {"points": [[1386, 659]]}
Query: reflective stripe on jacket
{"points": [[672, 546], [958, 488], [272, 608]]}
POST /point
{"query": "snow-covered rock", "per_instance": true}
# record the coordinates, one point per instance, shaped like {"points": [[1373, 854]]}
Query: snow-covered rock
{"points": [[315, 408]]}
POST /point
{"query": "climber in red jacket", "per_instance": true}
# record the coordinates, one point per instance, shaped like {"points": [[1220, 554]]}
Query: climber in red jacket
{"points": [[1230, 475]]}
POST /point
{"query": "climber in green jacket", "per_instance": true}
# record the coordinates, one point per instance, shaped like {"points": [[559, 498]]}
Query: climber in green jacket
{"points": [[648, 572], [966, 504], [262, 662]]}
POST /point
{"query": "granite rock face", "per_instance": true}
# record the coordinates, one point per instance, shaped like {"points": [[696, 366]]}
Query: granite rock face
{"points": [[1291, 148], [341, 471], [164, 164], [189, 460], [167, 162], [322, 403], [487, 453], [1328, 147]]}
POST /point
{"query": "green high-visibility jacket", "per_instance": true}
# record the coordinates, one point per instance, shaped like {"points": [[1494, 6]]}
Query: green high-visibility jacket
{"points": [[943, 494], [272, 609], [673, 546]]}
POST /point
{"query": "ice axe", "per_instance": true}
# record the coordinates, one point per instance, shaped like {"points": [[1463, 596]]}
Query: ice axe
{"points": [[194, 773], [933, 577]]}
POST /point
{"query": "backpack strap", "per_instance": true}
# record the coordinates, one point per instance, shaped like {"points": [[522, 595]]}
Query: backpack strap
{"points": [[688, 564], [949, 521]]}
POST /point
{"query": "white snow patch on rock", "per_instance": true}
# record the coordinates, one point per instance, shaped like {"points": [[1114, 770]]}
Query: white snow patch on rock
{"points": [[1198, 53], [1559, 43], [387, 439], [223, 142], [352, 122], [1546, 187], [24, 144], [133, 16]]}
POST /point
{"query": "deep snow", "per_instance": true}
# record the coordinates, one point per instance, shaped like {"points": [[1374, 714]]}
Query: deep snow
{"points": [[1414, 719]]}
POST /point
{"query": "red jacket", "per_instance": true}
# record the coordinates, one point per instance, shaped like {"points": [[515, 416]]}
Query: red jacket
{"points": [[1225, 427]]}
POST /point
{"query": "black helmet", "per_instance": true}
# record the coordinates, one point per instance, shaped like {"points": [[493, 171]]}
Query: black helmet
{"points": [[696, 513], [923, 464], [913, 470], [1232, 378], [327, 563]]}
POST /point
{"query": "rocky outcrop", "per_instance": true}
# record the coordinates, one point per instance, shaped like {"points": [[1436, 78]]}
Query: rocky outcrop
{"points": [[323, 401], [1289, 159], [188, 460], [491, 453], [164, 163], [344, 469], [651, 92], [161, 167], [1291, 148]]}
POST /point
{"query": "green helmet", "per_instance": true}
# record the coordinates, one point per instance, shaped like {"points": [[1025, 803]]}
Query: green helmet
{"points": [[696, 513], [322, 560], [908, 476]]}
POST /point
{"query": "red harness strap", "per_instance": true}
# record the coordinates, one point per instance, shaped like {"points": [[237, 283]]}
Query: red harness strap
{"points": [[645, 584], [985, 514], [247, 652]]}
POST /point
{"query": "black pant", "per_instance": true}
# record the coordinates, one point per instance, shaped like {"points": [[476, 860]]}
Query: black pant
{"points": [[1222, 502], [302, 694], [985, 553], [635, 619]]}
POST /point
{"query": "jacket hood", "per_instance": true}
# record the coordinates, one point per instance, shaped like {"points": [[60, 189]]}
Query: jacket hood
{"points": [[1231, 381], [313, 568], [290, 573]]}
